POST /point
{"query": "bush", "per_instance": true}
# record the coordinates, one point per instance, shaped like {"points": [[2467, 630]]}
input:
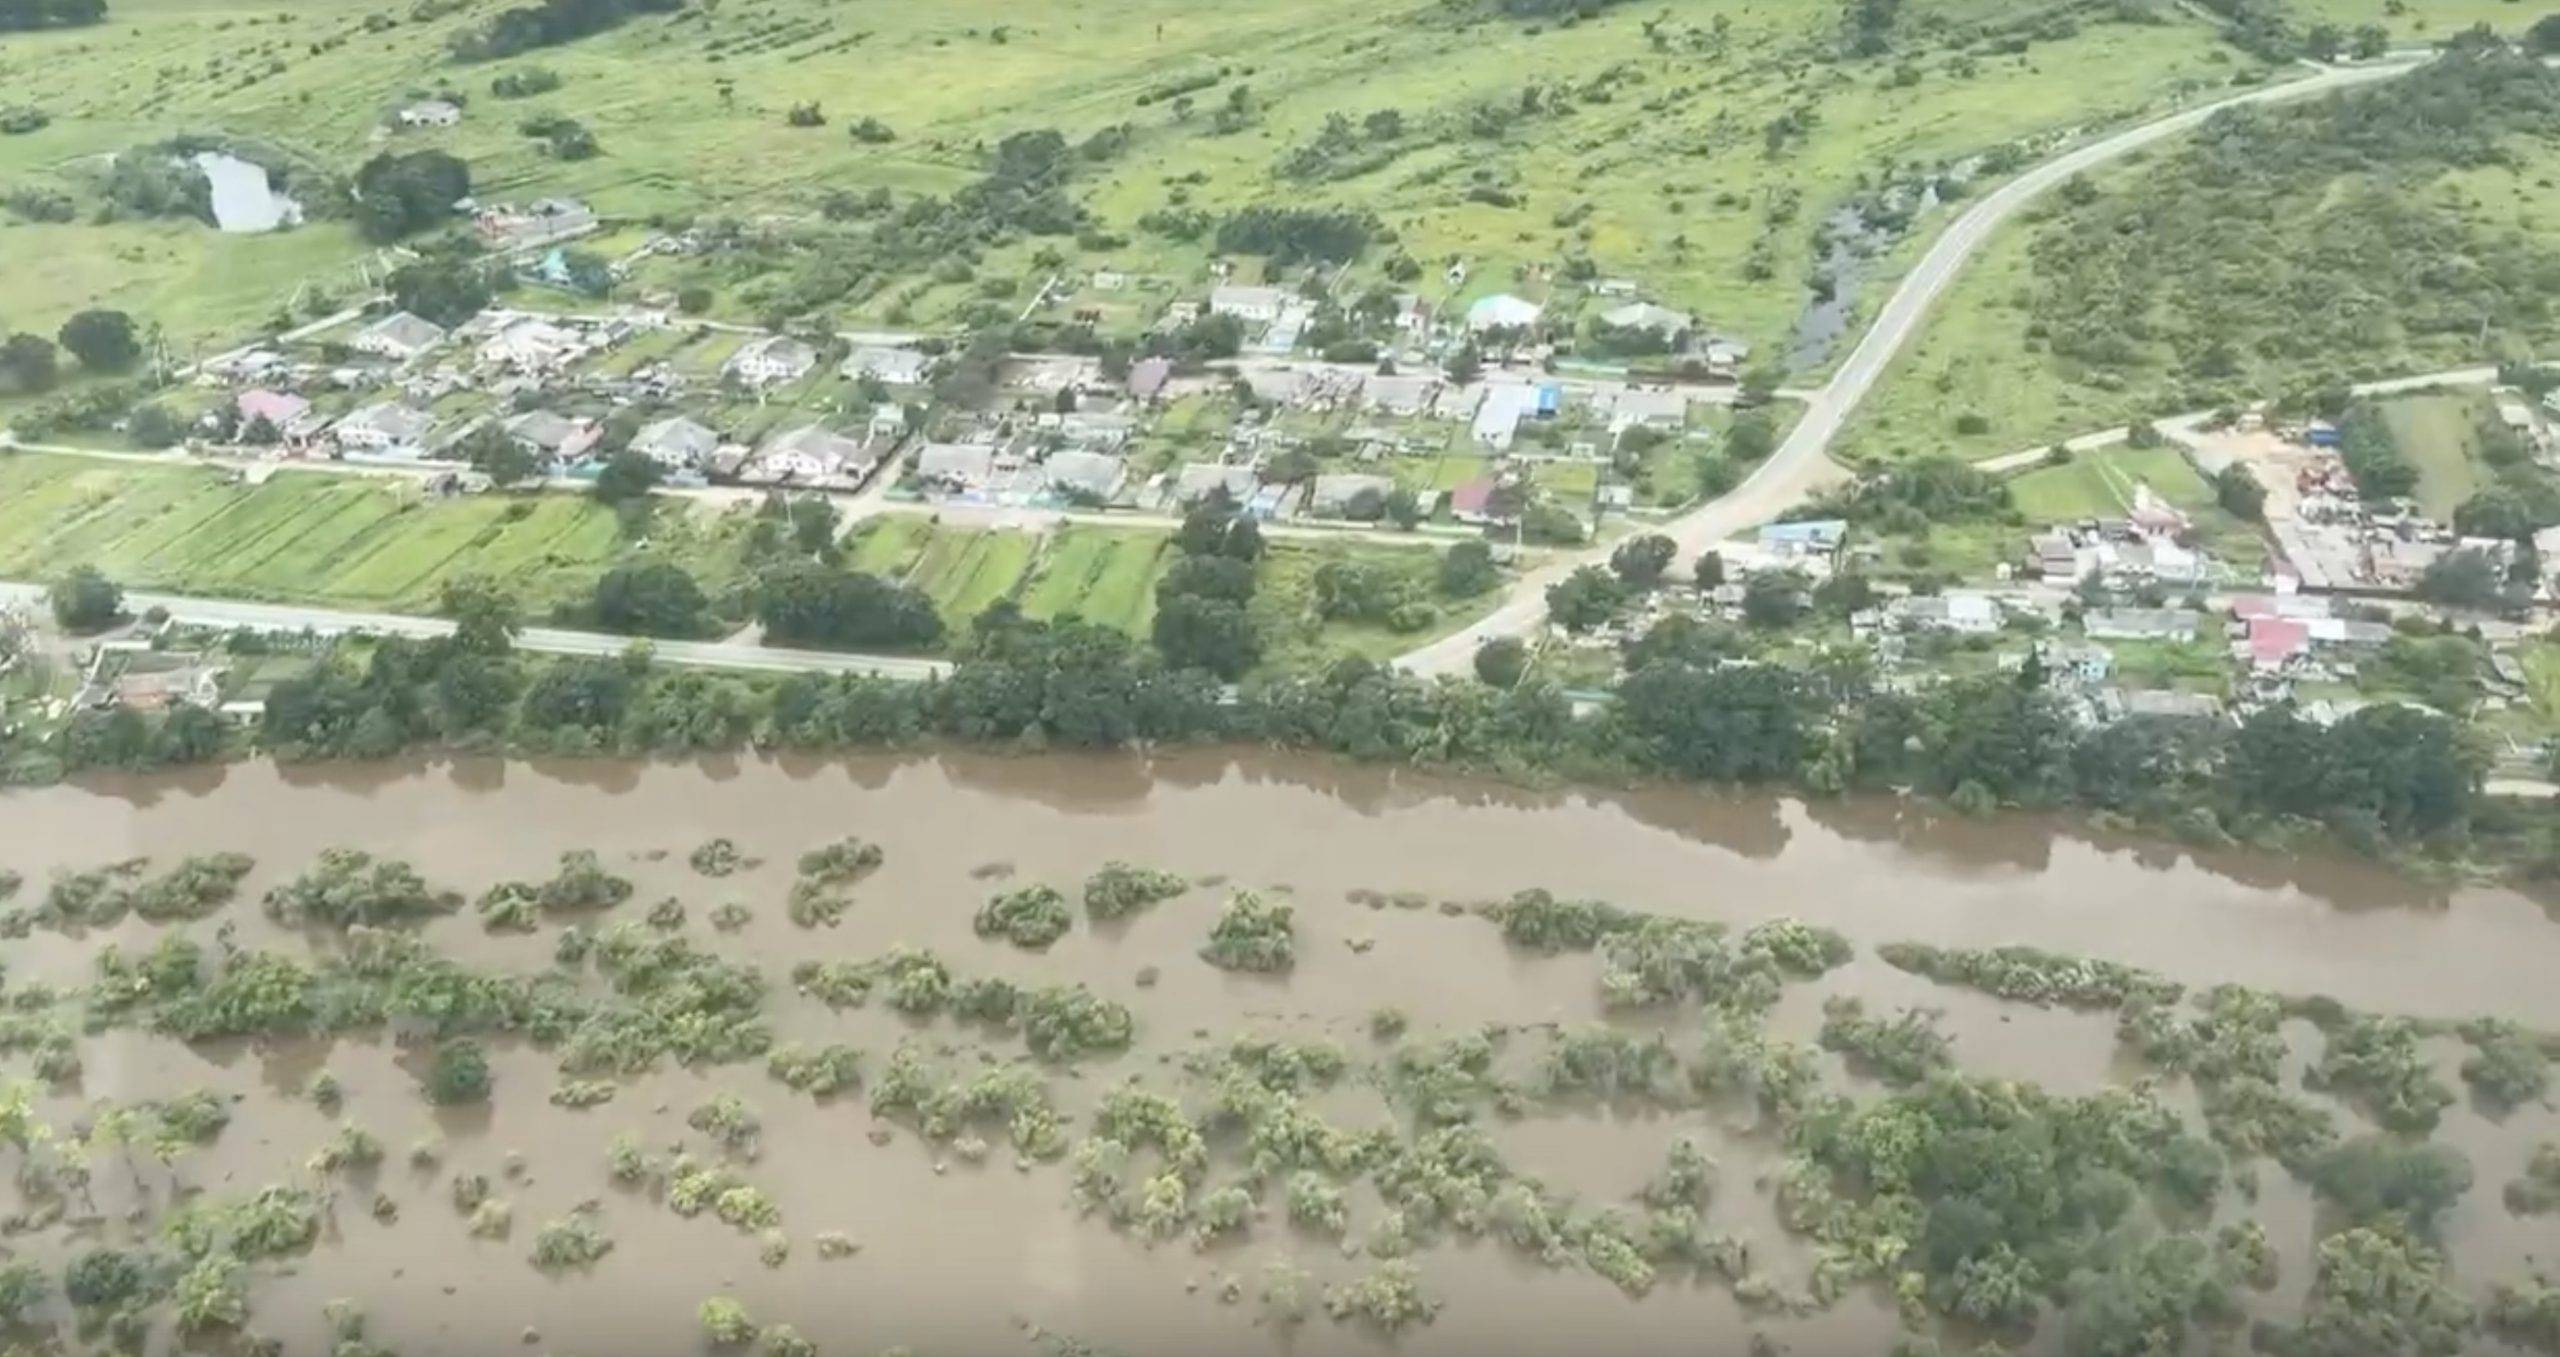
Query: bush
{"points": [[86, 600], [458, 1073], [725, 1323], [1502, 662], [573, 1241], [1253, 934], [1032, 917], [1119, 890]]}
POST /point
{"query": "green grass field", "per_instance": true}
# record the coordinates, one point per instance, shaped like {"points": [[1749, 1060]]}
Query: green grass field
{"points": [[1643, 151], [1108, 576], [1105, 576], [2439, 434], [2101, 484], [319, 539]]}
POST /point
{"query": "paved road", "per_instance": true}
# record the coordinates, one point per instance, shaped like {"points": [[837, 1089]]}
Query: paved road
{"points": [[209, 612], [1801, 463]]}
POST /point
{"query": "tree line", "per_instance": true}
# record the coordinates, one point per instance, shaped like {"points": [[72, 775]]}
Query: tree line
{"points": [[2382, 777], [548, 24]]}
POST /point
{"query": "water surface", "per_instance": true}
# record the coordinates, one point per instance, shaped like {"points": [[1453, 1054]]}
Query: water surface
{"points": [[961, 1258]]}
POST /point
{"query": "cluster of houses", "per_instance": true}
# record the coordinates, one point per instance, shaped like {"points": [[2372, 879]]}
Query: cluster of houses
{"points": [[551, 397]]}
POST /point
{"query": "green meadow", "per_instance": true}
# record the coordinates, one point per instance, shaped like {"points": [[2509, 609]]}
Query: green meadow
{"points": [[1638, 139], [324, 540]]}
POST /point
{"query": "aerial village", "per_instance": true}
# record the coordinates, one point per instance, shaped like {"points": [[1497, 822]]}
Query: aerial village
{"points": [[1536, 424]]}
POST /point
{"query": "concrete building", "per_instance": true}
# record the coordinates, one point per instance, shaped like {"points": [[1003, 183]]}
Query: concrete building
{"points": [[812, 452]]}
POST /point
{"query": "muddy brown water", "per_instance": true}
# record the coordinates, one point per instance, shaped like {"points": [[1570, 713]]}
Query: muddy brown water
{"points": [[966, 1258]]}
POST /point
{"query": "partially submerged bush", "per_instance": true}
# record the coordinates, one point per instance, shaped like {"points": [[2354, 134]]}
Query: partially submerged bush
{"points": [[822, 1072], [717, 858], [346, 888], [1388, 1300], [458, 1073], [1031, 918], [1071, 1022], [1253, 934], [573, 1241], [1120, 889], [725, 1323]]}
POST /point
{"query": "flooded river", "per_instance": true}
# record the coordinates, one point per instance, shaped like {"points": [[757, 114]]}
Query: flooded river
{"points": [[969, 1258]]}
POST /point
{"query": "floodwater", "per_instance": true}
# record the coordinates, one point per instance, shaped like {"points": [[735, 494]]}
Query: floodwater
{"points": [[245, 201], [969, 1258]]}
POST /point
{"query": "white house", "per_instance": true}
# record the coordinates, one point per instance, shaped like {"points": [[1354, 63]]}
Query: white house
{"points": [[1502, 311], [1256, 305], [1659, 320], [888, 423], [897, 367], [771, 360], [1090, 474], [1964, 613], [431, 113], [531, 346], [383, 427], [398, 337], [676, 442], [813, 453], [1498, 418]]}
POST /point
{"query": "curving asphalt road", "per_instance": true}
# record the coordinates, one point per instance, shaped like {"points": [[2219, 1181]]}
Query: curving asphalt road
{"points": [[1801, 465], [208, 612]]}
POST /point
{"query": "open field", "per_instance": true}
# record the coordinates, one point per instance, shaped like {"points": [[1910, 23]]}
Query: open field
{"points": [[318, 539], [1106, 576], [1296, 639], [1645, 137], [2439, 434], [2425, 21], [2101, 484]]}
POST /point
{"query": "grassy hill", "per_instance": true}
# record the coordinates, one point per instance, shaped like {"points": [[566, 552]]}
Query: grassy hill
{"points": [[1692, 145], [2382, 233]]}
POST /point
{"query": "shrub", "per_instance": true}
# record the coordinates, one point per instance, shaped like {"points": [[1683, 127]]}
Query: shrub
{"points": [[573, 1241], [1253, 934], [1120, 889], [725, 1322], [458, 1073], [1033, 917]]}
